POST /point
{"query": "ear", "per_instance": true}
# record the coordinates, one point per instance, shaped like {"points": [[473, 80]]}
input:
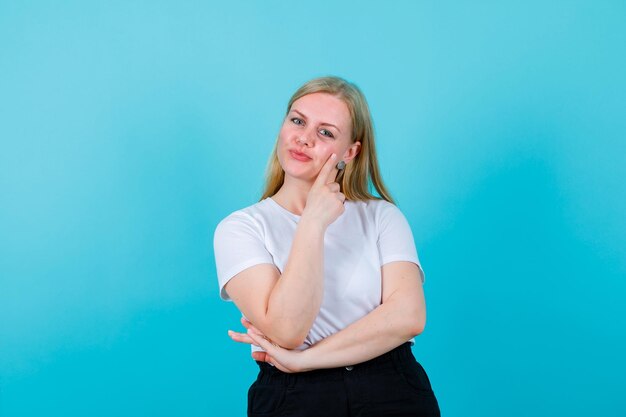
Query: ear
{"points": [[352, 152]]}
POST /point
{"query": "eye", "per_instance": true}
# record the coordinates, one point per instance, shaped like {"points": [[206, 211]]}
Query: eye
{"points": [[326, 133], [297, 121]]}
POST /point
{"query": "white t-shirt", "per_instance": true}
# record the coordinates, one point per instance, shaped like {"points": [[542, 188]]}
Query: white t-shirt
{"points": [[367, 235]]}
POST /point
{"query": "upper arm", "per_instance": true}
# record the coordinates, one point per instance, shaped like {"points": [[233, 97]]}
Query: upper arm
{"points": [[401, 271], [250, 291], [395, 238], [402, 278], [245, 268], [402, 285]]}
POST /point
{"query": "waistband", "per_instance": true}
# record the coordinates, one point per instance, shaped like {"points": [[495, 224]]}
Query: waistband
{"points": [[389, 360]]}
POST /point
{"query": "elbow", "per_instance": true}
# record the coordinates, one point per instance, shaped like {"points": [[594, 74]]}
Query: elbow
{"points": [[286, 337], [416, 329], [291, 344], [416, 324], [282, 337], [285, 333], [289, 341]]}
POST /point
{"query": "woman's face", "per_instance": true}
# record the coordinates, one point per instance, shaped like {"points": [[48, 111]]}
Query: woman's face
{"points": [[316, 126]]}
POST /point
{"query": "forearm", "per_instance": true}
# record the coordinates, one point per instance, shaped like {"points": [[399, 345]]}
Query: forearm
{"points": [[385, 328], [296, 298]]}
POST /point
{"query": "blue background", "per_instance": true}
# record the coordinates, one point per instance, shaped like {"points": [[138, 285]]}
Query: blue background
{"points": [[130, 128]]}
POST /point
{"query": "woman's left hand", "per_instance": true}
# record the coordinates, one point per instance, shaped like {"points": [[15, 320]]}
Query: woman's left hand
{"points": [[286, 360]]}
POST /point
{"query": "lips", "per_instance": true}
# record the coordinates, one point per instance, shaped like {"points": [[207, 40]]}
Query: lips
{"points": [[299, 156]]}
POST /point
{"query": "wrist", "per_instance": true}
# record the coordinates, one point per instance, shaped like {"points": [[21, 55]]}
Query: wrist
{"points": [[311, 225], [307, 361]]}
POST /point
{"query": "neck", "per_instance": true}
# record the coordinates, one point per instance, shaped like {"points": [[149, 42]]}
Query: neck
{"points": [[293, 194]]}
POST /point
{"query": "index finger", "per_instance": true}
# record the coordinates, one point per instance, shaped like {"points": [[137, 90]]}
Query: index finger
{"points": [[328, 173]]}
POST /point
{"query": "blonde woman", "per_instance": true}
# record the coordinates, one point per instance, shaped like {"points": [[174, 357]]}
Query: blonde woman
{"points": [[326, 274]]}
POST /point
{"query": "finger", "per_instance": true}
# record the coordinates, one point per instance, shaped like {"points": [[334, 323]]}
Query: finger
{"points": [[328, 172], [272, 351], [334, 187], [248, 325], [241, 337], [263, 357], [265, 344], [270, 360]]}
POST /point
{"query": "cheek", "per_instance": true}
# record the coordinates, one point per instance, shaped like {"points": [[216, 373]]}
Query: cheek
{"points": [[337, 148], [283, 143], [324, 150], [282, 135], [286, 131]]}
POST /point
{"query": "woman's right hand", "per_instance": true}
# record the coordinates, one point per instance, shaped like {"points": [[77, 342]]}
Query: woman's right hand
{"points": [[324, 204]]}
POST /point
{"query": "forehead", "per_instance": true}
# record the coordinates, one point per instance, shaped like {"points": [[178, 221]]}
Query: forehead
{"points": [[323, 107]]}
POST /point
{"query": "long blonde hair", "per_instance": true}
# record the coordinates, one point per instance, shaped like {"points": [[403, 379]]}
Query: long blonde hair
{"points": [[354, 179]]}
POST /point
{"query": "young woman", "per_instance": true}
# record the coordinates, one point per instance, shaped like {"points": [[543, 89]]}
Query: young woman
{"points": [[325, 273]]}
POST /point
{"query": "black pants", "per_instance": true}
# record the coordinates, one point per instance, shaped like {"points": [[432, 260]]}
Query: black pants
{"points": [[393, 384]]}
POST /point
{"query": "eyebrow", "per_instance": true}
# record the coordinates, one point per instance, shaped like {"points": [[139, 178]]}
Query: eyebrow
{"points": [[324, 123]]}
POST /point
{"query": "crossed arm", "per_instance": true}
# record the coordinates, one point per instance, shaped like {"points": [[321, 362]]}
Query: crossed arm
{"points": [[401, 315], [284, 306]]}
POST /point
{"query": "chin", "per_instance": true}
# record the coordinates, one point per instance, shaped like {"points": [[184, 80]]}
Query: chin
{"points": [[300, 174]]}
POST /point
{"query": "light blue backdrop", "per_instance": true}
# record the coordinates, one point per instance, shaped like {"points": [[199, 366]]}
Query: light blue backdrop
{"points": [[130, 128]]}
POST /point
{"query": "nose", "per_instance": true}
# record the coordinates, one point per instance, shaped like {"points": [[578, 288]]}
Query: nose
{"points": [[301, 140], [305, 138]]}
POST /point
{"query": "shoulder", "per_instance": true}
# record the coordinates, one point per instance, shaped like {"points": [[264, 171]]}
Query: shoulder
{"points": [[387, 217], [245, 218], [371, 204], [379, 213], [376, 208]]}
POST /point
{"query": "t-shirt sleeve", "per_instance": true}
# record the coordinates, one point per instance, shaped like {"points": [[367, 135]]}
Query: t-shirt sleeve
{"points": [[395, 239], [238, 244]]}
